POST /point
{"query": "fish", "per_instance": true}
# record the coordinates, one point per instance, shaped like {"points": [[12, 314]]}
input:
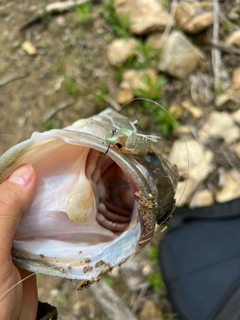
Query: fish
{"points": [[94, 206]]}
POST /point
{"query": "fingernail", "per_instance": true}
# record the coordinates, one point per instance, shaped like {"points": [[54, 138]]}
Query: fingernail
{"points": [[22, 175]]}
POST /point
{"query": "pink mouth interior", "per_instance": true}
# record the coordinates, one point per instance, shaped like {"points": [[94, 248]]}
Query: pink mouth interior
{"points": [[58, 170]]}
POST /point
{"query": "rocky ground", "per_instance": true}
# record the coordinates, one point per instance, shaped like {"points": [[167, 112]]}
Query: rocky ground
{"points": [[57, 66]]}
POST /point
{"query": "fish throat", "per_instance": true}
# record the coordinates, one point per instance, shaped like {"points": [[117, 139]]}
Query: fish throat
{"points": [[83, 204]]}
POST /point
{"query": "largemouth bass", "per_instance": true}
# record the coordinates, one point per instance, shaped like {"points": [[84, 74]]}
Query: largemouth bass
{"points": [[96, 204]]}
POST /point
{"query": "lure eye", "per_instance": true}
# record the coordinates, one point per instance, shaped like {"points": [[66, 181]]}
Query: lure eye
{"points": [[118, 145]]}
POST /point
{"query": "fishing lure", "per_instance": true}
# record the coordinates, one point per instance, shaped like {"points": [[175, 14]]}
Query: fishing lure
{"points": [[128, 140]]}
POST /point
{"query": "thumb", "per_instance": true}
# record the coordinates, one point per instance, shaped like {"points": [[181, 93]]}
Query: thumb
{"points": [[16, 193]]}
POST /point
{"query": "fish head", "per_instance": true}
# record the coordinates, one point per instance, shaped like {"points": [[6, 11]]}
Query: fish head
{"points": [[91, 210]]}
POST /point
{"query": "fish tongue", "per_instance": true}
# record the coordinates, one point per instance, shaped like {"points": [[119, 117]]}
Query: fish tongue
{"points": [[81, 203]]}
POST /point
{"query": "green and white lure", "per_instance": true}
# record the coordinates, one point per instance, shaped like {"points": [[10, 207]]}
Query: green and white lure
{"points": [[129, 140]]}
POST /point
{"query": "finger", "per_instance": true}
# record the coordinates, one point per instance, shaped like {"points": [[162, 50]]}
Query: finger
{"points": [[16, 193]]}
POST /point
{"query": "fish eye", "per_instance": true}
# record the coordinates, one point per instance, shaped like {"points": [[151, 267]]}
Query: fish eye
{"points": [[118, 145]]}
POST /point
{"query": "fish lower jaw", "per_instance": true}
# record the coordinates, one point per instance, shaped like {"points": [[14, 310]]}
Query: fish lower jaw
{"points": [[84, 226]]}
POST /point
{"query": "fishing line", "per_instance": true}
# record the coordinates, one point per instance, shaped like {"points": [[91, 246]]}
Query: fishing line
{"points": [[16, 284]]}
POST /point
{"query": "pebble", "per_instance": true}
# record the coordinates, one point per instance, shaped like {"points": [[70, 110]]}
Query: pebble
{"points": [[185, 192], [182, 130], [237, 149], [176, 111], [202, 198], [54, 293], [156, 40], [231, 187], [124, 95], [234, 13], [219, 124], [236, 116], [194, 17], [145, 16], [179, 56], [134, 80], [221, 99], [236, 79], [233, 39], [195, 111], [120, 50], [194, 158], [29, 48]]}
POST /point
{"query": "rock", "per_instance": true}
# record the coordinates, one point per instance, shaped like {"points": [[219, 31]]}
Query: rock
{"points": [[176, 111], [219, 124], [145, 15], [135, 79], [196, 112], [221, 99], [228, 98], [236, 116], [193, 156], [179, 57], [185, 192], [60, 21], [156, 40], [199, 162], [150, 311], [236, 79], [54, 293], [231, 187], [124, 95], [202, 198], [194, 17], [146, 270], [29, 48], [234, 13], [182, 130], [233, 39], [54, 85], [237, 149], [120, 50]]}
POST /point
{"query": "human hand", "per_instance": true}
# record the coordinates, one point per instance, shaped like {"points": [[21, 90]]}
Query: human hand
{"points": [[16, 193]]}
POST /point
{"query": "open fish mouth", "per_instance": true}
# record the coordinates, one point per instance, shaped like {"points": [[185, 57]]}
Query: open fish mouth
{"points": [[92, 210]]}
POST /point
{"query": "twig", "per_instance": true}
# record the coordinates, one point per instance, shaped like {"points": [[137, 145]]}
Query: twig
{"points": [[111, 304], [216, 55], [12, 77], [62, 105], [139, 298], [223, 47], [226, 20], [170, 24], [112, 102], [20, 103], [51, 8]]}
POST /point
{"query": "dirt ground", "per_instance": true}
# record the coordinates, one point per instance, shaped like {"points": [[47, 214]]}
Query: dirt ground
{"points": [[64, 81], [66, 49], [69, 69]]}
